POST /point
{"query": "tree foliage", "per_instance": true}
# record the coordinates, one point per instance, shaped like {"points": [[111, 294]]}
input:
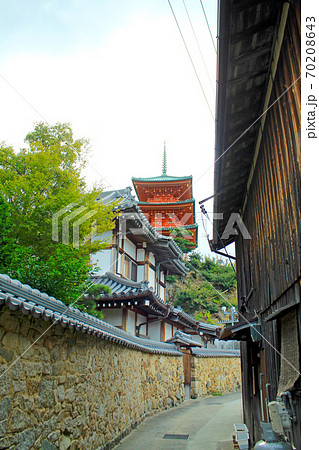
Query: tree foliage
{"points": [[36, 183], [182, 239], [208, 285]]}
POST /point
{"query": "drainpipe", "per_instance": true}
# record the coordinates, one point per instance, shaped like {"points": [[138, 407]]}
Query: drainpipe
{"points": [[273, 70], [261, 397], [267, 400]]}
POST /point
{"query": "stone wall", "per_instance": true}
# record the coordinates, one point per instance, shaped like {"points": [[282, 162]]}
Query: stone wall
{"points": [[215, 375], [74, 390]]}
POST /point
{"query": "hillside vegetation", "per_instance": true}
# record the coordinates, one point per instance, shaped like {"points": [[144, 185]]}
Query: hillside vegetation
{"points": [[209, 284]]}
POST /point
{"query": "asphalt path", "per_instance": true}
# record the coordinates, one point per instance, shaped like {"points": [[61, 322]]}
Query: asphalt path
{"points": [[208, 422]]}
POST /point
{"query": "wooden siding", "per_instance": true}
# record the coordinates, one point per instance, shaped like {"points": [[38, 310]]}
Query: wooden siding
{"points": [[271, 259], [269, 264]]}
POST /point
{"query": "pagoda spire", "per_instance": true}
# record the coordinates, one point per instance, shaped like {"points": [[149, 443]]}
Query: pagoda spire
{"points": [[164, 160]]}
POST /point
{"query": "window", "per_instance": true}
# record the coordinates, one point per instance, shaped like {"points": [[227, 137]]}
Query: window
{"points": [[134, 272], [130, 269], [126, 267]]}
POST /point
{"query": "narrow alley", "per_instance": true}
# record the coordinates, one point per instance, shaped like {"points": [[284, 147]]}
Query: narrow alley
{"points": [[205, 423]]}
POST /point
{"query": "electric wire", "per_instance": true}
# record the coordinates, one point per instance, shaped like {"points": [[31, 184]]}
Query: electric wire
{"points": [[191, 60], [198, 46], [204, 213], [208, 26]]}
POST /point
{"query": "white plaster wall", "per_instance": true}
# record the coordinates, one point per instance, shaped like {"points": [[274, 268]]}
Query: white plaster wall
{"points": [[154, 331], [131, 322], [113, 316], [140, 273], [151, 275], [119, 263], [162, 292], [168, 331], [113, 262], [141, 319], [152, 258], [102, 259], [130, 248], [140, 254]]}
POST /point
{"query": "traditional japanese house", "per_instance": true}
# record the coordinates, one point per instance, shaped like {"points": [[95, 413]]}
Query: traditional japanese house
{"points": [[133, 268], [257, 175], [168, 202]]}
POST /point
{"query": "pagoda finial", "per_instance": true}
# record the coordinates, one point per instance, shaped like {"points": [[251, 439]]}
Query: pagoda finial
{"points": [[164, 160]]}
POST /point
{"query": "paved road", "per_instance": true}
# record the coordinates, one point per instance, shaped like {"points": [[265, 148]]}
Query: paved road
{"points": [[209, 422]]}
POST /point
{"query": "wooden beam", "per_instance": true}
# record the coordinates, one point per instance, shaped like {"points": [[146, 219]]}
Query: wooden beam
{"points": [[244, 4], [258, 28], [162, 330]]}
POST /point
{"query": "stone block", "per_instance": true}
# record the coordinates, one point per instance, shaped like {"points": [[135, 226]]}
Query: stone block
{"points": [[3, 428], [62, 379], [25, 403], [45, 397], [70, 395], [9, 442], [5, 380], [16, 370], [25, 346], [65, 442], [26, 439], [48, 445], [19, 421], [32, 368], [10, 341], [19, 385], [10, 322], [6, 354], [60, 393], [54, 436], [5, 407]]}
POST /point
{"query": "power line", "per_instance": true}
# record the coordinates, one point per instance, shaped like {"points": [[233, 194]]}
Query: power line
{"points": [[198, 79], [204, 212], [208, 26], [191, 24]]}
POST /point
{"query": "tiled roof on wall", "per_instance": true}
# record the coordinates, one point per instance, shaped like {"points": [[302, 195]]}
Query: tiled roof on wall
{"points": [[211, 352], [17, 296]]}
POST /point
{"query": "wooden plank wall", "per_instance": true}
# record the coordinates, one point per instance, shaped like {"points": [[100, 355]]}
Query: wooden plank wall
{"points": [[270, 262], [271, 259]]}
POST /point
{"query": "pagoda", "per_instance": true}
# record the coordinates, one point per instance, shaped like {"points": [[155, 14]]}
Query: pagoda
{"points": [[168, 203]]}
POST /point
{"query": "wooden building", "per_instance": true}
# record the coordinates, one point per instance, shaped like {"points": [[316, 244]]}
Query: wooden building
{"points": [[257, 175], [133, 268], [168, 202]]}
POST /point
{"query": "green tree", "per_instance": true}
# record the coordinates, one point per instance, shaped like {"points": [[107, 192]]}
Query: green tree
{"points": [[182, 239], [6, 240], [36, 183], [209, 284]]}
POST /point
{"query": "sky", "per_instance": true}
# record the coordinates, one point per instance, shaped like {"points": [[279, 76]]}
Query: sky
{"points": [[119, 73]]}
